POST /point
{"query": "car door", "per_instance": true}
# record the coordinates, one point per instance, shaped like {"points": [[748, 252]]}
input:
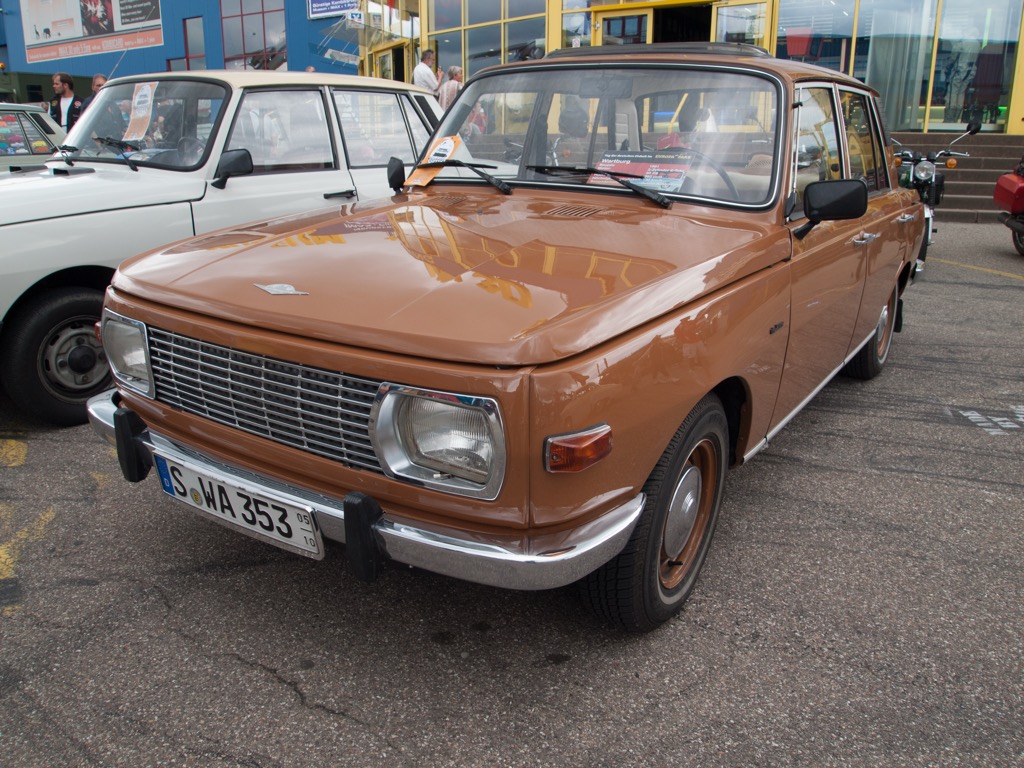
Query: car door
{"points": [[376, 126], [890, 223], [296, 162], [828, 263]]}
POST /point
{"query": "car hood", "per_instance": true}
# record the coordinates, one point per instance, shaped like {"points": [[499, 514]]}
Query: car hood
{"points": [[462, 275], [58, 191]]}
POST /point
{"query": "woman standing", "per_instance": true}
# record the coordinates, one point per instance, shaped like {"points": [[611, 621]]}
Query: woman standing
{"points": [[451, 86]]}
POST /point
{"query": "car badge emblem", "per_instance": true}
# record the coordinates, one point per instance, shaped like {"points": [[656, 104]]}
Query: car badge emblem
{"points": [[281, 289]]}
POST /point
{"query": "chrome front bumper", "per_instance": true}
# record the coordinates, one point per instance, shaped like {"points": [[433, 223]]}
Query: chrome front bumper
{"points": [[522, 561]]}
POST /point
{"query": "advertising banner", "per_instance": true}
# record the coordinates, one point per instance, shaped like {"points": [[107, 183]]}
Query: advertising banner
{"points": [[321, 8], [60, 29]]}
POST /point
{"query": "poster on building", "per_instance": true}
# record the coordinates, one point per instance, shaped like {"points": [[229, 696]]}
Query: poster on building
{"points": [[319, 9], [60, 29]]}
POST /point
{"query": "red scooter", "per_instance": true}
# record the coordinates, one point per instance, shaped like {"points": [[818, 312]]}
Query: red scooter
{"points": [[1009, 196]]}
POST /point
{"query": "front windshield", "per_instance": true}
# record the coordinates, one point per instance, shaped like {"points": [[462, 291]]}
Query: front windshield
{"points": [[677, 130], [160, 123]]}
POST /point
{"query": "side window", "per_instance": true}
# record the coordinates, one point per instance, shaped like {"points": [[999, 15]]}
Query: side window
{"points": [[283, 131], [817, 141], [374, 128], [20, 136], [867, 159], [420, 132]]}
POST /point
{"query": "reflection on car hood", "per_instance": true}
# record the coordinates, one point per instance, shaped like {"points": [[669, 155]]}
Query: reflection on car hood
{"points": [[460, 275], [60, 190]]}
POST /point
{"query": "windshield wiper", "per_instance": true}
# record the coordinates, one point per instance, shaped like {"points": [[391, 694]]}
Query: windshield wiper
{"points": [[622, 178], [124, 147], [65, 151], [494, 181]]}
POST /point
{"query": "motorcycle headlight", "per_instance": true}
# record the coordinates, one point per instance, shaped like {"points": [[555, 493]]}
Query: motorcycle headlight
{"points": [[127, 349], [439, 440], [924, 171]]}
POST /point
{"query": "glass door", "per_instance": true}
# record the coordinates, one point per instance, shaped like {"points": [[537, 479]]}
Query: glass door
{"points": [[623, 28]]}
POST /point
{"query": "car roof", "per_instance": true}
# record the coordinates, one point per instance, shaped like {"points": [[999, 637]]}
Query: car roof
{"points": [[251, 78], [734, 54], [21, 107]]}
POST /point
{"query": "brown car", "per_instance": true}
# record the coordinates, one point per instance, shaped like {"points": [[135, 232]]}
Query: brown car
{"points": [[615, 274]]}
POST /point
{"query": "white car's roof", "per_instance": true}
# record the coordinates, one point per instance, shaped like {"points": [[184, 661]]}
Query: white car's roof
{"points": [[8, 107], [250, 78]]}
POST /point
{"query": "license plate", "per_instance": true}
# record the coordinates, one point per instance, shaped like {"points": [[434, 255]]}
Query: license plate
{"points": [[257, 514]]}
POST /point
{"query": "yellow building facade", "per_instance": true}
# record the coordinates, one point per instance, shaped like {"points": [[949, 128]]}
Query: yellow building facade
{"points": [[936, 63]]}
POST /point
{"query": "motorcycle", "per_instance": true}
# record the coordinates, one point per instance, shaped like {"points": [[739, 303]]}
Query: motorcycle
{"points": [[919, 172], [1009, 196]]}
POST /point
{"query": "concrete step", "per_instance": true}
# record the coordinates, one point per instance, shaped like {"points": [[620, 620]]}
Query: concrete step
{"points": [[965, 216]]}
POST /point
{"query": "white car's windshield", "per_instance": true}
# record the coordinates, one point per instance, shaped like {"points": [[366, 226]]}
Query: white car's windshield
{"points": [[162, 123], [676, 130]]}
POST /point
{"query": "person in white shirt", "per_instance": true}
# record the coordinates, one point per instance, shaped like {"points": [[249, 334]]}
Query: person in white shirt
{"points": [[65, 107], [424, 74]]}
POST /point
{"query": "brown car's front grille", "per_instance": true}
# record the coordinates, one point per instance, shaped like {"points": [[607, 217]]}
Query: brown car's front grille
{"points": [[313, 409]]}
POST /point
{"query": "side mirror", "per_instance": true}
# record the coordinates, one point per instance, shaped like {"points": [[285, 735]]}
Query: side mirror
{"points": [[973, 127], [396, 174], [234, 162], [833, 201]]}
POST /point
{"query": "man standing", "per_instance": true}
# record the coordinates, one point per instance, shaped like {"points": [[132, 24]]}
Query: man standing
{"points": [[424, 75], [65, 107], [97, 82]]}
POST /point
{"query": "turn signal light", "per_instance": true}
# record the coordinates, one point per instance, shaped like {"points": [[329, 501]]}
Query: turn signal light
{"points": [[951, 162], [577, 451]]}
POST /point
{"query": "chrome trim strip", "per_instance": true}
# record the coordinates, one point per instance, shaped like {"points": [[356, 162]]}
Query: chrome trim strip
{"points": [[803, 403], [524, 561]]}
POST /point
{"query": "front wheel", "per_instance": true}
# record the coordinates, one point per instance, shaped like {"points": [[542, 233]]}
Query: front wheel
{"points": [[870, 360], [648, 582], [1018, 241], [53, 362]]}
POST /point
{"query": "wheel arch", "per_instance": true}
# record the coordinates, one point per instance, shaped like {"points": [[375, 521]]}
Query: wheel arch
{"points": [[90, 276], [735, 397]]}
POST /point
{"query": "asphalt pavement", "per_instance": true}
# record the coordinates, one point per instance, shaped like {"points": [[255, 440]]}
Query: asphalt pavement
{"points": [[861, 605]]}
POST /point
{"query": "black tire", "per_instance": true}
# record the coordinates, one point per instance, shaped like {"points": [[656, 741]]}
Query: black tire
{"points": [[870, 360], [649, 581], [52, 360], [1018, 241]]}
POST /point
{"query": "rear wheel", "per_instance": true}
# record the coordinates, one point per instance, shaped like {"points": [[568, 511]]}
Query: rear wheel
{"points": [[870, 360], [53, 362], [1018, 241], [648, 582]]}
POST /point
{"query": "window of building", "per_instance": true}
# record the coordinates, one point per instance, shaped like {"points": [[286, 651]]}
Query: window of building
{"points": [[489, 37], [741, 23], [195, 47], [254, 34]]}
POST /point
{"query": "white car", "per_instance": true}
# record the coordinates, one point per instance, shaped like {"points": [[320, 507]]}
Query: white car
{"points": [[162, 157], [28, 135]]}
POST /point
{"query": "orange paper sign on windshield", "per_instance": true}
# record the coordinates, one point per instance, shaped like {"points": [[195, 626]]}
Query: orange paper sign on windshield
{"points": [[443, 149]]}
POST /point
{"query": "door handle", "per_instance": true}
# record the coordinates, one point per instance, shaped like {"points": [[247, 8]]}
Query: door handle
{"points": [[907, 217], [345, 193], [864, 238]]}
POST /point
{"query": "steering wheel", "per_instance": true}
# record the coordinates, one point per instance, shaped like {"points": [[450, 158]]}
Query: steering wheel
{"points": [[190, 149], [717, 168]]}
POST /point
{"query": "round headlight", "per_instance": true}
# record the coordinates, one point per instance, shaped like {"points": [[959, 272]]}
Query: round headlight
{"points": [[924, 170]]}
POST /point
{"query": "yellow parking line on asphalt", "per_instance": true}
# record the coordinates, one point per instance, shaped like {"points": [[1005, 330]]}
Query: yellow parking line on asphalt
{"points": [[14, 541], [13, 453], [979, 269]]}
